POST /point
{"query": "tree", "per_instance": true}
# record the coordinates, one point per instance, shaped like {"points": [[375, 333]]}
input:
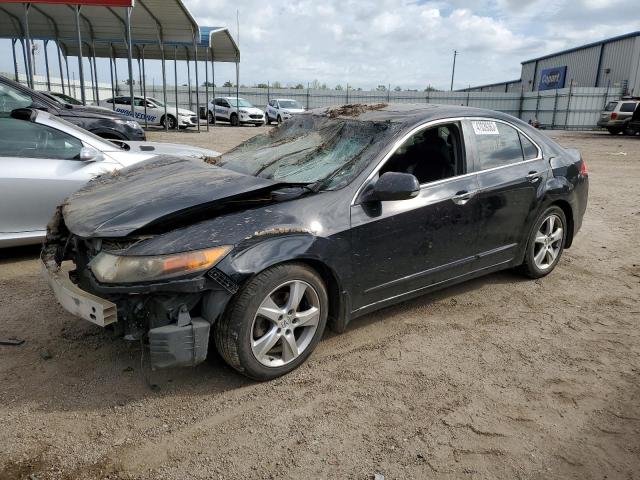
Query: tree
{"points": [[299, 87], [276, 84], [208, 84], [323, 86], [381, 88], [262, 85], [430, 89], [397, 89], [227, 84]]}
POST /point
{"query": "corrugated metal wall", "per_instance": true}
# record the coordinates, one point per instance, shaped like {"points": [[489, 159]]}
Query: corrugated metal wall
{"points": [[617, 57], [528, 71], [581, 66]]}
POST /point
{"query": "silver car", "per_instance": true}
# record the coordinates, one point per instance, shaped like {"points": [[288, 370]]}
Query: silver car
{"points": [[43, 159]]}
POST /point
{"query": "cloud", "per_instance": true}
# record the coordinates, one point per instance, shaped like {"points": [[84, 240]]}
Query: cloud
{"points": [[409, 43]]}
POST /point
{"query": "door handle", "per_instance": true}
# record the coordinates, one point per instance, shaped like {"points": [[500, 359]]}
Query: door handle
{"points": [[534, 176], [463, 197]]}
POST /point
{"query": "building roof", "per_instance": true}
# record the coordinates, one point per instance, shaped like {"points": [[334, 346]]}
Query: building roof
{"points": [[582, 47], [215, 40], [149, 20]]}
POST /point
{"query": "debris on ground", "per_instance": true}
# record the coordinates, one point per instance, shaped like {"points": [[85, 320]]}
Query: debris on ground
{"points": [[11, 341]]}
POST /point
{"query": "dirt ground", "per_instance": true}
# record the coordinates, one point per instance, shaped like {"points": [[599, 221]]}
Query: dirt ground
{"points": [[498, 378]]}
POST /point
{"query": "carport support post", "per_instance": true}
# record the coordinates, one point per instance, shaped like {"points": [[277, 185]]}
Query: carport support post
{"points": [[175, 72], [238, 91], [195, 49], [186, 50], [93, 91], [27, 39], [206, 85], [24, 57], [15, 60], [130, 62], [46, 64], [60, 66], [164, 85], [555, 105], [83, 97], [113, 93], [213, 92], [95, 72], [144, 90]]}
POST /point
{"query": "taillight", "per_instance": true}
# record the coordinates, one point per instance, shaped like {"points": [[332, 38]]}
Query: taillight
{"points": [[614, 115], [583, 169]]}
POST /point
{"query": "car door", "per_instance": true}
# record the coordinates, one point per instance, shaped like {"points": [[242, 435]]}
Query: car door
{"points": [[39, 168], [408, 245], [511, 177], [222, 108]]}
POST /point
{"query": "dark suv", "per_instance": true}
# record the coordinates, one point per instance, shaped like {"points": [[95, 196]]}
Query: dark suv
{"points": [[99, 121]]}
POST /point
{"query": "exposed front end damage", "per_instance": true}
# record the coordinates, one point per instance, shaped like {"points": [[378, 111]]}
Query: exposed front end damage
{"points": [[174, 317]]}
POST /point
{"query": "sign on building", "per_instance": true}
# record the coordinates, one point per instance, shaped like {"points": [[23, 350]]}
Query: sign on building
{"points": [[552, 78]]}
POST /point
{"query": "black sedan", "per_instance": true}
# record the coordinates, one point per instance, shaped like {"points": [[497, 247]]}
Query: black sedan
{"points": [[336, 213], [98, 120]]}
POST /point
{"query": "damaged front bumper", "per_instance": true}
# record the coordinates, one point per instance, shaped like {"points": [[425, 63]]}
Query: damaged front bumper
{"points": [[175, 317]]}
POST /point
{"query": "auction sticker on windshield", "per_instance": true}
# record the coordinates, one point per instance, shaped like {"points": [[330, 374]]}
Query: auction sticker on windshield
{"points": [[485, 128]]}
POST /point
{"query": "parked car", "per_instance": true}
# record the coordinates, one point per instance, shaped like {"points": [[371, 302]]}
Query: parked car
{"points": [[155, 111], [234, 110], [43, 159], [280, 109], [615, 114], [337, 213], [632, 125], [100, 121]]}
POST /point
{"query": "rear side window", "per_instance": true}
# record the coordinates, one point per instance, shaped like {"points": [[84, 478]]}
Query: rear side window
{"points": [[611, 106], [528, 148], [628, 107], [497, 144]]}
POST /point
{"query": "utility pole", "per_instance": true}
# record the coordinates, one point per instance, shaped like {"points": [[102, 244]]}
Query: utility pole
{"points": [[453, 70]]}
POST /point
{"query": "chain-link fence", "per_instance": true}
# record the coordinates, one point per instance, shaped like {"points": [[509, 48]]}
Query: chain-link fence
{"points": [[567, 108]]}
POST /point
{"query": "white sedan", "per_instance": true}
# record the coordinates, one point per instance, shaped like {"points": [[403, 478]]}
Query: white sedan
{"points": [[155, 111], [43, 159], [281, 109], [234, 110]]}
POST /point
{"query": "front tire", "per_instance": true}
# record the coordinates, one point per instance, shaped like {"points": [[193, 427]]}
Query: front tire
{"points": [[545, 244], [210, 118], [235, 121], [173, 123], [274, 323]]}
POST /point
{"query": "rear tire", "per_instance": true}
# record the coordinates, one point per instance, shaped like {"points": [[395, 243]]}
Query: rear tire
{"points": [[545, 243], [613, 131], [279, 119], [209, 118], [295, 300], [173, 123]]}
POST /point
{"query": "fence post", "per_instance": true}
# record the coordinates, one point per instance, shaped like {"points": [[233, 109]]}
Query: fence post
{"points": [[307, 95], [555, 106], [389, 94], [537, 107], [468, 94], [521, 102], [347, 102], [606, 96], [566, 117]]}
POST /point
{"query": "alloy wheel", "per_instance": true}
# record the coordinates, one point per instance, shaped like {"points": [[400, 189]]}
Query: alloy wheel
{"points": [[548, 242], [285, 323]]}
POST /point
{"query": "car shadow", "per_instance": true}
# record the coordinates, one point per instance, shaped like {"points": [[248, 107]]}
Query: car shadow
{"points": [[18, 254]]}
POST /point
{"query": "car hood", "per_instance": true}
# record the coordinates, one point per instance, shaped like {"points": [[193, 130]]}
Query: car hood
{"points": [[174, 149], [93, 112], [181, 111], [251, 110], [293, 110], [115, 205]]}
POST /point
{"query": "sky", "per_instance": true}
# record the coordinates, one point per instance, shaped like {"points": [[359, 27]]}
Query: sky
{"points": [[407, 43]]}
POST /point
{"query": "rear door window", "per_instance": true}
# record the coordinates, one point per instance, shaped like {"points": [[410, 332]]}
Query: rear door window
{"points": [[611, 106], [528, 148], [497, 144]]}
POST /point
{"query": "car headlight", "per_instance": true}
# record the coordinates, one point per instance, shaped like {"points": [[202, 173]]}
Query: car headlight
{"points": [[110, 268], [286, 113], [130, 123], [244, 111]]}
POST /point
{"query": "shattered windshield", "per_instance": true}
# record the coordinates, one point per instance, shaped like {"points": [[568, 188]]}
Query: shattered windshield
{"points": [[311, 149]]}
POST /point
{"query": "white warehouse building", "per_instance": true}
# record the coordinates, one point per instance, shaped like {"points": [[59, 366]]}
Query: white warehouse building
{"points": [[613, 62]]}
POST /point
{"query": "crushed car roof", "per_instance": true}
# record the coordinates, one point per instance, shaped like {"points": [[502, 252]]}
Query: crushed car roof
{"points": [[406, 113]]}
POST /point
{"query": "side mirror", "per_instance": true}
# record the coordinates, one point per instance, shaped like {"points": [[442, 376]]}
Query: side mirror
{"points": [[394, 186], [88, 154]]}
